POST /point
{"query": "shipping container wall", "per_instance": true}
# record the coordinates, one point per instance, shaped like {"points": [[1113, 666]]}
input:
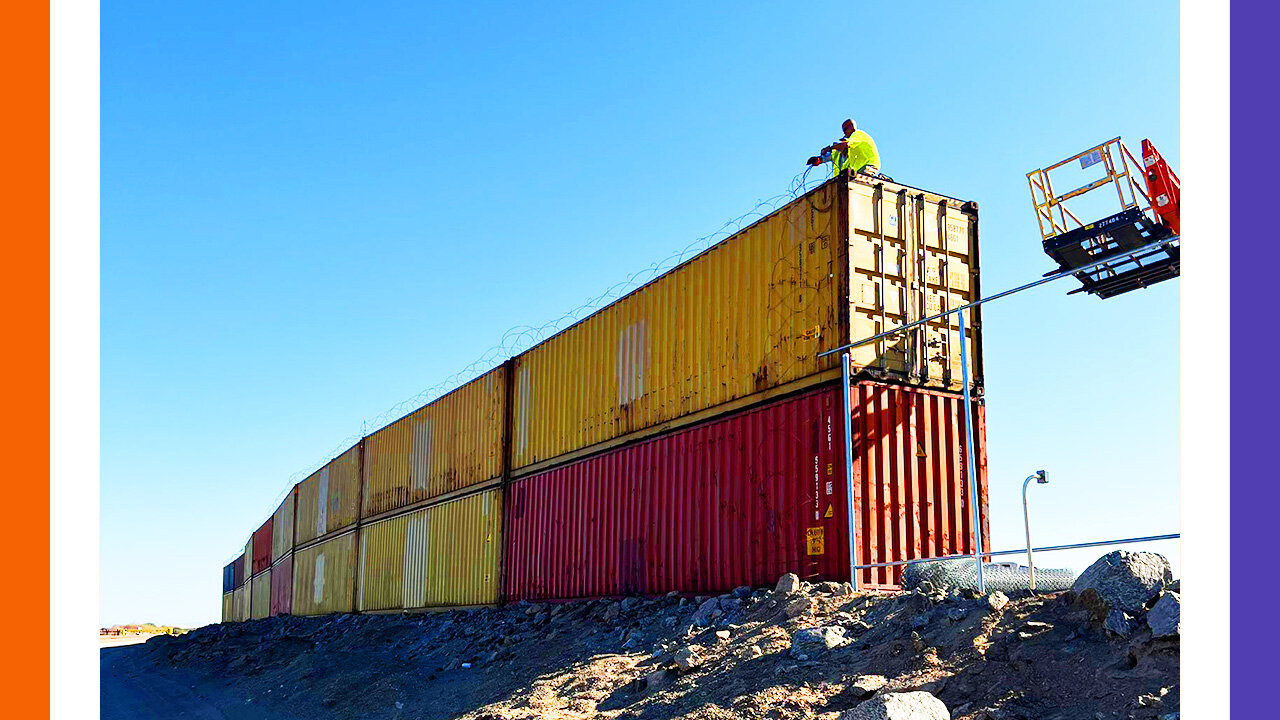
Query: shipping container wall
{"points": [[262, 547], [748, 314], [911, 480], [229, 576], [282, 527], [260, 600], [282, 586], [241, 609], [329, 499], [445, 554], [737, 501], [751, 314], [229, 606], [323, 576], [912, 254], [247, 572], [452, 443]]}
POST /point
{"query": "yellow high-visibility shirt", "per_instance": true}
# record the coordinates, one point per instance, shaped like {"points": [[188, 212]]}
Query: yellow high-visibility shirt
{"points": [[862, 152]]}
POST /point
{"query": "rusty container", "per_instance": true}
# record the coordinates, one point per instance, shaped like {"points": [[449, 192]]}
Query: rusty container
{"points": [[282, 526], [282, 586], [328, 500], [745, 321], [742, 499], [442, 555], [323, 576], [453, 443], [237, 567], [260, 595], [262, 547]]}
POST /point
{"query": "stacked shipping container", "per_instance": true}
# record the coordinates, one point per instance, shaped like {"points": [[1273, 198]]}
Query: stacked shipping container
{"points": [[686, 437]]}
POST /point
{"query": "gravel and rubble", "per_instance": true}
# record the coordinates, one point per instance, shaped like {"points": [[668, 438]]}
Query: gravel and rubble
{"points": [[796, 650]]}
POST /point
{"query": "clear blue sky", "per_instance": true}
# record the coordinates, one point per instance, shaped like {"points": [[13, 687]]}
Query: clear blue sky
{"points": [[313, 211]]}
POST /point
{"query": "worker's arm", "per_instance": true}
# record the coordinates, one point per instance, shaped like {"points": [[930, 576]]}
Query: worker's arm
{"points": [[817, 160]]}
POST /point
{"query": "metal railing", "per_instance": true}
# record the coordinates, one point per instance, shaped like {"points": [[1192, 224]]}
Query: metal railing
{"points": [[1020, 551]]}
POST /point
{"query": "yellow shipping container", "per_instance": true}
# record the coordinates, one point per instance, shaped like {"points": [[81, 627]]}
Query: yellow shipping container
{"points": [[446, 554], [452, 443], [322, 576], [248, 560], [241, 603], [752, 313], [329, 499], [229, 606], [260, 596], [282, 527]]}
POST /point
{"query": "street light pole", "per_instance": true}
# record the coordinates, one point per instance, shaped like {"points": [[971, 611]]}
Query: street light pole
{"points": [[1040, 479]]}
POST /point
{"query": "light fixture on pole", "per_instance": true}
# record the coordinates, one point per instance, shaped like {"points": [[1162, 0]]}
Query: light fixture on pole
{"points": [[1041, 479]]}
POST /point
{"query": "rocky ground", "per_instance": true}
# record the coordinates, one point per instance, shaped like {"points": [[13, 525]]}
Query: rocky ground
{"points": [[1107, 649]]}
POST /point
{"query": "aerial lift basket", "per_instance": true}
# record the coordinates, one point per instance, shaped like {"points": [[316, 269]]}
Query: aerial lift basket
{"points": [[1074, 244]]}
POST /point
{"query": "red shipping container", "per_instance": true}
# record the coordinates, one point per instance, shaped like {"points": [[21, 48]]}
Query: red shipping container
{"points": [[282, 586], [239, 569], [741, 500], [911, 478], [262, 547]]}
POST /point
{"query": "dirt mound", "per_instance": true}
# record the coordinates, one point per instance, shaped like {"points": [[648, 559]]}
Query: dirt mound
{"points": [[812, 652]]}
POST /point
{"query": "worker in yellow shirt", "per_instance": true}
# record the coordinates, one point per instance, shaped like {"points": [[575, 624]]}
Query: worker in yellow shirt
{"points": [[856, 153]]}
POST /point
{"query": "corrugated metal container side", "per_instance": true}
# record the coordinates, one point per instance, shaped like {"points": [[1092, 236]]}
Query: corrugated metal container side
{"points": [[282, 586], [911, 478], [260, 598], [736, 501], [911, 254], [247, 572], [229, 606], [743, 499], [229, 576], [450, 444], [323, 576], [751, 314], [238, 566], [241, 603], [445, 554], [329, 499], [262, 547], [282, 527]]}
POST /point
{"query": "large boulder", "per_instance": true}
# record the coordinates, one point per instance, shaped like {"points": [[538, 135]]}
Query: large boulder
{"points": [[916, 705], [1165, 617], [706, 612], [815, 641], [788, 584], [1122, 580]]}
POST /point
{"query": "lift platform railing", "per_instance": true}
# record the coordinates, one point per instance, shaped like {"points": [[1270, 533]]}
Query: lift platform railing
{"points": [[1120, 169]]}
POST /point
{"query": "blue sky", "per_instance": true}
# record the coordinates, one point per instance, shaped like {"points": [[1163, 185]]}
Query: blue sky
{"points": [[312, 211]]}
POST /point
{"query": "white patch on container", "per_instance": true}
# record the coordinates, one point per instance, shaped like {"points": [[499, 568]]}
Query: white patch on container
{"points": [[523, 378], [317, 584], [322, 503], [632, 358], [416, 560], [420, 463], [484, 505]]}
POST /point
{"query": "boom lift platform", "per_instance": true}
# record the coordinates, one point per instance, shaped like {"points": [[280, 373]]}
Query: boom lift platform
{"points": [[1149, 213]]}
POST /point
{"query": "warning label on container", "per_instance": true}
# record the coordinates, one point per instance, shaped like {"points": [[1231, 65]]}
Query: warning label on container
{"points": [[830, 511], [815, 542]]}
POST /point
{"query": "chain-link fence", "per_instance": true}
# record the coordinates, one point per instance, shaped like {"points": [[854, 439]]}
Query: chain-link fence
{"points": [[962, 574]]}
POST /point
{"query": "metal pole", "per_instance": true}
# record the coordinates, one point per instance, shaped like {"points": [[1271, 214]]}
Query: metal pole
{"points": [[1026, 519], [997, 296], [974, 500], [847, 404], [1019, 551]]}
